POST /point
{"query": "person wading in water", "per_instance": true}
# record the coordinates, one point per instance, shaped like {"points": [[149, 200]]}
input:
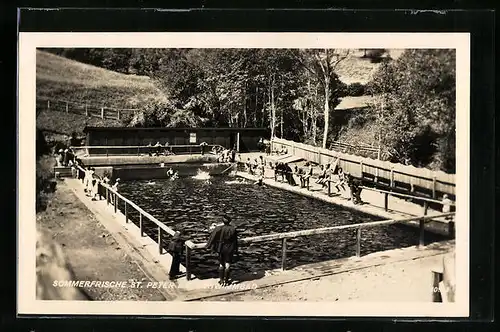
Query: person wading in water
{"points": [[224, 241]]}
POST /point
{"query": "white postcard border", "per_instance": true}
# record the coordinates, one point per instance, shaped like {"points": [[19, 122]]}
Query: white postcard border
{"points": [[28, 42]]}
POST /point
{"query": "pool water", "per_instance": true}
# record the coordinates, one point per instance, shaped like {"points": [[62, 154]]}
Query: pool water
{"points": [[192, 205]]}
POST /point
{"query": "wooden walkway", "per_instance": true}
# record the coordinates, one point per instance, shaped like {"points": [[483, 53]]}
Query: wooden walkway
{"points": [[318, 270]]}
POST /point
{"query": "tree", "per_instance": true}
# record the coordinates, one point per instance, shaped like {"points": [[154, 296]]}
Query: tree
{"points": [[417, 107], [322, 64]]}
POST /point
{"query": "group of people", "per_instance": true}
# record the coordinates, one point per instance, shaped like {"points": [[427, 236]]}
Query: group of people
{"points": [[159, 150], [91, 182], [224, 155], [65, 157], [256, 167], [329, 173]]}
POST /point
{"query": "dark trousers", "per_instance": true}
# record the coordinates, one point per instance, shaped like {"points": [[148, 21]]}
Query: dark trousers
{"points": [[175, 266]]}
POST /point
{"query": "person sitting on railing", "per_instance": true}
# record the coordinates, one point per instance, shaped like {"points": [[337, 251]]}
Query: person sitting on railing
{"points": [[260, 171], [355, 188], [175, 249], [224, 241]]}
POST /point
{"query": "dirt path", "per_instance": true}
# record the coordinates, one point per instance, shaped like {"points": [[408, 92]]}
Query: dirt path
{"points": [[91, 250]]}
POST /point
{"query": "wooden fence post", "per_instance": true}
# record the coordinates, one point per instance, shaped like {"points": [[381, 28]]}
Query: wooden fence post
{"points": [[86, 110], [67, 107], [426, 207], [386, 201], [434, 187], [361, 169], [118, 114], [102, 113], [358, 242], [392, 176], [421, 238], [115, 201], [329, 186], [48, 104], [283, 257], [107, 196], [125, 212], [188, 263], [159, 240], [140, 224]]}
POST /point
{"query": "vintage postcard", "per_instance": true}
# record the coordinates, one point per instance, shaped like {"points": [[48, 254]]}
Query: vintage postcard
{"points": [[244, 174]]}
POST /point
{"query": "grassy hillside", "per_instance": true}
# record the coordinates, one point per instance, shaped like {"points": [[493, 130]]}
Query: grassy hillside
{"points": [[58, 78], [61, 78], [357, 69]]}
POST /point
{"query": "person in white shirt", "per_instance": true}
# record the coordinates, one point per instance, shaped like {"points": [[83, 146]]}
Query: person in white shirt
{"points": [[116, 184]]}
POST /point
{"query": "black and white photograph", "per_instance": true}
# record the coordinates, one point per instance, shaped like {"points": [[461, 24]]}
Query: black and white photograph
{"points": [[319, 174]]}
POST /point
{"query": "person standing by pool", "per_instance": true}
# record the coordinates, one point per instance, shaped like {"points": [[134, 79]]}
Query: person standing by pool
{"points": [[355, 188], [233, 155], [175, 249], [224, 241], [203, 146], [116, 184]]}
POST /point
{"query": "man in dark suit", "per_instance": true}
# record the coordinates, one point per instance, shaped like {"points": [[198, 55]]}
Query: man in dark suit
{"points": [[224, 241]]}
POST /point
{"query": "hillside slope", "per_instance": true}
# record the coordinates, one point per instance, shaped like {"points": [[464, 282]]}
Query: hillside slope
{"points": [[61, 78], [357, 69], [58, 78]]}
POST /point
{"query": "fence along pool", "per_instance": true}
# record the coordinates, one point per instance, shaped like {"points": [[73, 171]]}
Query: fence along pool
{"points": [[152, 227], [379, 171]]}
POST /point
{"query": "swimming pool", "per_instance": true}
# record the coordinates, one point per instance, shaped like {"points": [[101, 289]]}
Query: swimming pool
{"points": [[192, 204]]}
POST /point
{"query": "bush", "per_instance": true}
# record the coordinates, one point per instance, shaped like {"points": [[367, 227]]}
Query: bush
{"points": [[354, 90]]}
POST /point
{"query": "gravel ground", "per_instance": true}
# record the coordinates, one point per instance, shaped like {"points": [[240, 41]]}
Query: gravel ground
{"points": [[408, 281], [91, 250]]}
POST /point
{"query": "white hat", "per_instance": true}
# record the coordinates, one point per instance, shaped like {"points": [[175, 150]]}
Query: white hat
{"points": [[61, 150], [117, 179]]}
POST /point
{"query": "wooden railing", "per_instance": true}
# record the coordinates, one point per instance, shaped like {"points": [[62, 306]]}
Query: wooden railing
{"points": [[103, 112], [138, 150], [386, 193], [113, 198], [413, 197], [377, 170], [190, 246]]}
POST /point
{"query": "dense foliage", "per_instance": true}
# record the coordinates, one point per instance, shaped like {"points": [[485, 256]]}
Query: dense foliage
{"points": [[416, 109], [294, 93]]}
